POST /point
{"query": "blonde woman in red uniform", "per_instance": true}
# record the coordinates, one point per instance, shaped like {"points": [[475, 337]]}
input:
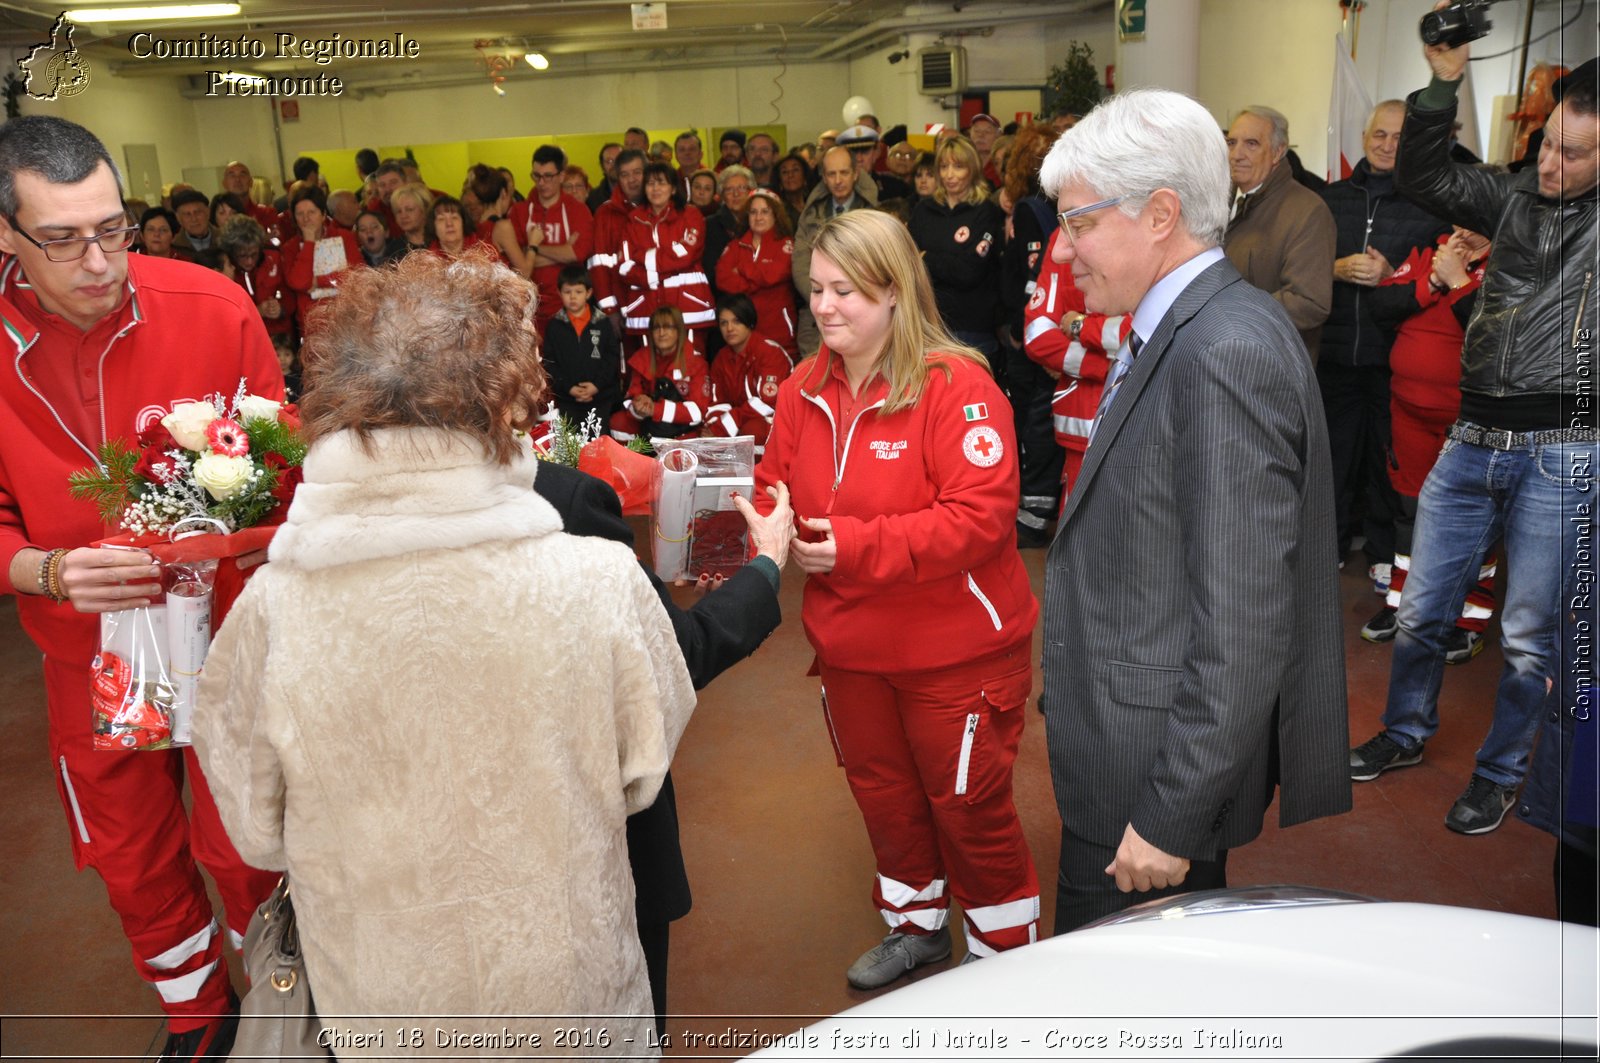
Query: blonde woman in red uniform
{"points": [[899, 452]]}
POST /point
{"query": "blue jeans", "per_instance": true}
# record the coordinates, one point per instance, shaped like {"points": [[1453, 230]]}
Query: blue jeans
{"points": [[1473, 496]]}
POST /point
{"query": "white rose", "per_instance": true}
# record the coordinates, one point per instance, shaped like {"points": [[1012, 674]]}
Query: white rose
{"points": [[223, 476], [256, 408], [187, 422]]}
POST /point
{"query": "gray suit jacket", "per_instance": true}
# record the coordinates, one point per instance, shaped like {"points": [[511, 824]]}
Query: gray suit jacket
{"points": [[1193, 655]]}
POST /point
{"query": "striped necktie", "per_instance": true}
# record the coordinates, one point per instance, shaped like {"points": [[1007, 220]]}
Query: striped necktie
{"points": [[1119, 370]]}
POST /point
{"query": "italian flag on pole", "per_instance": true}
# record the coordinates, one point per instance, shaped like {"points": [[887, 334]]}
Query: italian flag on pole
{"points": [[976, 412], [1347, 114]]}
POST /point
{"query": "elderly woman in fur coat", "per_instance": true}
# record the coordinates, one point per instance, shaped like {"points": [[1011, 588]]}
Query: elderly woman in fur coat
{"points": [[434, 708]]}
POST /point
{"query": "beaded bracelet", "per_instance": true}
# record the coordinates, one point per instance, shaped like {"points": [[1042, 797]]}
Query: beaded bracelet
{"points": [[50, 575]]}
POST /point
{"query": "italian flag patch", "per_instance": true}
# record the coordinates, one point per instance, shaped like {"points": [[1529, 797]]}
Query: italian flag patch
{"points": [[976, 412]]}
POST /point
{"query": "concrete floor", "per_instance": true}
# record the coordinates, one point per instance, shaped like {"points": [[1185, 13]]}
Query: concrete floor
{"points": [[776, 850]]}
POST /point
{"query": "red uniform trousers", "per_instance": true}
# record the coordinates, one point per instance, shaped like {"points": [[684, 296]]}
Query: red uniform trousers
{"points": [[127, 821], [928, 757], [1417, 435]]}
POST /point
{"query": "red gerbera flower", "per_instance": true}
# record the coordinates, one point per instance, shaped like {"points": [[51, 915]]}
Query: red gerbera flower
{"points": [[228, 437]]}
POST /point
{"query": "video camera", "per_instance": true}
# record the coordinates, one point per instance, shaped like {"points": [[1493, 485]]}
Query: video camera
{"points": [[1460, 23]]}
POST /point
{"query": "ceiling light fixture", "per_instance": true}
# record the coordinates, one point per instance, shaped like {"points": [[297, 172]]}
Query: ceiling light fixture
{"points": [[537, 60], [164, 13]]}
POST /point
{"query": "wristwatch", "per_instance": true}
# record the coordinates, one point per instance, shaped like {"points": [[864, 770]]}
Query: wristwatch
{"points": [[1075, 328]]}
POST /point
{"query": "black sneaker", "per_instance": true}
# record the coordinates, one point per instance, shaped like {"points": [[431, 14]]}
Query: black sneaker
{"points": [[1378, 754], [1381, 627], [204, 1044], [1461, 646], [1482, 808]]}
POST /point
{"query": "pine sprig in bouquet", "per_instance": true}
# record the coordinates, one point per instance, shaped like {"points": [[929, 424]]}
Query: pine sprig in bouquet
{"points": [[232, 461]]}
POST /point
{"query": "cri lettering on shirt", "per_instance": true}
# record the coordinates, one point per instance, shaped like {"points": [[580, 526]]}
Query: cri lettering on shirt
{"points": [[884, 450]]}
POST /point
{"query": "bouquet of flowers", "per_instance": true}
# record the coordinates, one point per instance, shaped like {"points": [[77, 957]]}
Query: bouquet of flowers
{"points": [[223, 463], [217, 465]]}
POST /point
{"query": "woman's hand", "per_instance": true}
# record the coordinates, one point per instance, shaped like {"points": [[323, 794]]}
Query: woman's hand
{"points": [[816, 559], [101, 580], [773, 534], [271, 309], [1449, 267], [644, 407]]}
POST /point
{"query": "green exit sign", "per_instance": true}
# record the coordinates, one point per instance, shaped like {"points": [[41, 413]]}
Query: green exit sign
{"points": [[1130, 20]]}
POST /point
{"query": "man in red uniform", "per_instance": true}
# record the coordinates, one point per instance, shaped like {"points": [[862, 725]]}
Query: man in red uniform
{"points": [[555, 229], [387, 177], [238, 180], [102, 344], [610, 226]]}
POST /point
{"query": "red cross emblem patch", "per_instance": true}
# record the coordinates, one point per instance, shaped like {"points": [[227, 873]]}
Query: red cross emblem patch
{"points": [[982, 446], [963, 234]]}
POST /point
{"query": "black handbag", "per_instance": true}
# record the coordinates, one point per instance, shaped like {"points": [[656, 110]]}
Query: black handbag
{"points": [[277, 1018]]}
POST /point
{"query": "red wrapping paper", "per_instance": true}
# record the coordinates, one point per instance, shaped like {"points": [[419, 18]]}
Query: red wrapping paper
{"points": [[633, 476]]}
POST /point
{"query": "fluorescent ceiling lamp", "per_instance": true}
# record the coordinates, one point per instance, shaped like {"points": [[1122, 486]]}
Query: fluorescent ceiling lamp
{"points": [[537, 60], [165, 13]]}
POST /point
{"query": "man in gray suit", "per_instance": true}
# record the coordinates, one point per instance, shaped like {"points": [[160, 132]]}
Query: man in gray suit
{"points": [[1193, 656]]}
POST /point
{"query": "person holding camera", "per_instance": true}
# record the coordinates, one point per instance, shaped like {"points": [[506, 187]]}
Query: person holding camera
{"points": [[1519, 460]]}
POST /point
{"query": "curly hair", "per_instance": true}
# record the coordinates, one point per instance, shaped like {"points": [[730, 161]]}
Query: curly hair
{"points": [[1027, 155], [425, 343], [240, 233]]}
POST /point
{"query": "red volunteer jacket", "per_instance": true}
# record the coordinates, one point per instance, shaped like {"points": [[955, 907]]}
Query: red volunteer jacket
{"points": [[266, 217], [763, 275], [692, 384], [181, 334], [266, 282], [658, 265], [1082, 363], [744, 387], [610, 225], [299, 263], [561, 221], [1425, 361], [924, 507]]}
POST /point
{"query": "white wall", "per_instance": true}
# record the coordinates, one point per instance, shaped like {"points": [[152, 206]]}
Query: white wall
{"points": [[1012, 56]]}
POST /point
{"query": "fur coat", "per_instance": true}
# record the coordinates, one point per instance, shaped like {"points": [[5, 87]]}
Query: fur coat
{"points": [[435, 709]]}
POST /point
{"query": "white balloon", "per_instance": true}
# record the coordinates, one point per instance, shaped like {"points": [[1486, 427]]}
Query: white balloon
{"points": [[855, 107]]}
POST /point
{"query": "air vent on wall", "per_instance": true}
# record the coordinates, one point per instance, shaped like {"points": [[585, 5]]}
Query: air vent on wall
{"points": [[941, 70]]}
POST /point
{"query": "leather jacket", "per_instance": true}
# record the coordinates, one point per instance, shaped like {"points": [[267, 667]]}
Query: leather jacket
{"points": [[1538, 300]]}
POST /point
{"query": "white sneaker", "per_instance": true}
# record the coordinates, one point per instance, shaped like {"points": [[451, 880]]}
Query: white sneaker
{"points": [[1380, 575]]}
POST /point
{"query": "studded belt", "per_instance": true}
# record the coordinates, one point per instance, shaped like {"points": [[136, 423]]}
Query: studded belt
{"points": [[1505, 439]]}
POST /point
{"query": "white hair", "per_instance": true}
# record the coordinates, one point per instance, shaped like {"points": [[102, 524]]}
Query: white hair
{"points": [[1279, 139], [1138, 141]]}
